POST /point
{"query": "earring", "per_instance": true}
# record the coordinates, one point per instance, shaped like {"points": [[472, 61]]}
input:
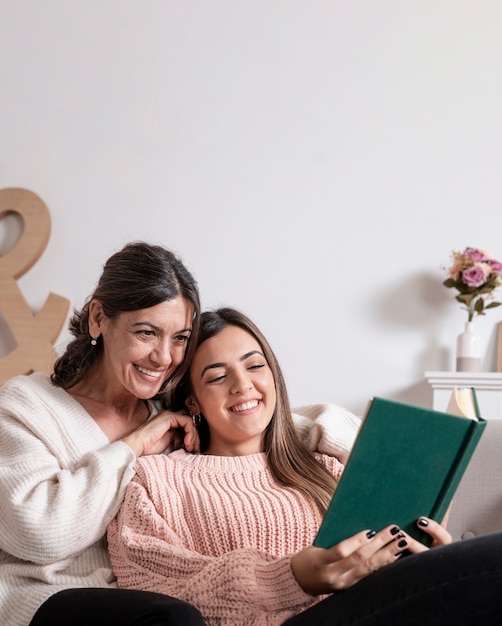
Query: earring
{"points": [[93, 341], [196, 419]]}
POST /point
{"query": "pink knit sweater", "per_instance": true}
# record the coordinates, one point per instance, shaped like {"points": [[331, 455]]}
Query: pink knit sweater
{"points": [[217, 532]]}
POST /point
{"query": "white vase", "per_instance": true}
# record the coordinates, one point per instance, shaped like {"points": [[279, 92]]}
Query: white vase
{"points": [[469, 350]]}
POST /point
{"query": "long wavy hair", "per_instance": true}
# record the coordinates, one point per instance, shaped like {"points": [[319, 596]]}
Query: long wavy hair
{"points": [[139, 276], [291, 463]]}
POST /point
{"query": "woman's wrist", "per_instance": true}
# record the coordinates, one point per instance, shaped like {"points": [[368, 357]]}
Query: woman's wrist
{"points": [[133, 441]]}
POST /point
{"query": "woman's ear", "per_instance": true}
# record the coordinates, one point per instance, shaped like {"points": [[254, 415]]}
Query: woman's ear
{"points": [[96, 316], [192, 405]]}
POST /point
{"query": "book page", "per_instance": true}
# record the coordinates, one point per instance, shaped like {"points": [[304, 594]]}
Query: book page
{"points": [[462, 403]]}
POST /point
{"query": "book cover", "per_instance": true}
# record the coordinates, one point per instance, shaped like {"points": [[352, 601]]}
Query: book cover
{"points": [[407, 461]]}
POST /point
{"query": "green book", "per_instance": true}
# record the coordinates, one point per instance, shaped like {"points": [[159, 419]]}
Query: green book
{"points": [[407, 461]]}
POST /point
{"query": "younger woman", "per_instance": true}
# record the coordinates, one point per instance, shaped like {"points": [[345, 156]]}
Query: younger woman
{"points": [[230, 531]]}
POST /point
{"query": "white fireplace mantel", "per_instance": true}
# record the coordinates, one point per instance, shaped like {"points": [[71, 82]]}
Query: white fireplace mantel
{"points": [[488, 386]]}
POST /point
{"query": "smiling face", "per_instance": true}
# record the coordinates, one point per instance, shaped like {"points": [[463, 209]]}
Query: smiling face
{"points": [[233, 387], [141, 349]]}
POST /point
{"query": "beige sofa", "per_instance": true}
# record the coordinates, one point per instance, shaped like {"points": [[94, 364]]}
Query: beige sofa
{"points": [[477, 506]]}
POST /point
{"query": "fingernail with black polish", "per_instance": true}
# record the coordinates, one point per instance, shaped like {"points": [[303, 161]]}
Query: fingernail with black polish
{"points": [[423, 522], [394, 530], [402, 544], [370, 533]]}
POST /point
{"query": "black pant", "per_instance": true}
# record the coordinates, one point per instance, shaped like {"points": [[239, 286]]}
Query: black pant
{"points": [[115, 607], [455, 585]]}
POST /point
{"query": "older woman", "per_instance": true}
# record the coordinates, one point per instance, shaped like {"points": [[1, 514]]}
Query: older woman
{"points": [[68, 445]]}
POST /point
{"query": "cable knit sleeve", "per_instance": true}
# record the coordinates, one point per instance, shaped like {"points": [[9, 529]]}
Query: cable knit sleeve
{"points": [[61, 481], [327, 428], [242, 586]]}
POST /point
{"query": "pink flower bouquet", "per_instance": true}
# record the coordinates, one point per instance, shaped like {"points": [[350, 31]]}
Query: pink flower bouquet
{"points": [[474, 274]]}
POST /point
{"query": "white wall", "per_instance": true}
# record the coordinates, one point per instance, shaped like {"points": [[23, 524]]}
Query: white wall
{"points": [[313, 162]]}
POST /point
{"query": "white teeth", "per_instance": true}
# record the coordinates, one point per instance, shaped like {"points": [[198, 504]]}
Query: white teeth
{"points": [[245, 406], [148, 372]]}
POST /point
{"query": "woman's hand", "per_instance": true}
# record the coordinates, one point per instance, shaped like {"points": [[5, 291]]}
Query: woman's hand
{"points": [[320, 570], [440, 536], [159, 433]]}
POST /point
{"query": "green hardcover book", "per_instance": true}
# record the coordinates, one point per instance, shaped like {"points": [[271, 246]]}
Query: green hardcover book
{"points": [[407, 461]]}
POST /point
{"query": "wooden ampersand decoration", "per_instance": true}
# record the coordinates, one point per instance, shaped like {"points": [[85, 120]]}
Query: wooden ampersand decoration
{"points": [[35, 334]]}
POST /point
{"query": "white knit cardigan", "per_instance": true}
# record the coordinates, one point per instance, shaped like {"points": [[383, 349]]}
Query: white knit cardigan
{"points": [[62, 482]]}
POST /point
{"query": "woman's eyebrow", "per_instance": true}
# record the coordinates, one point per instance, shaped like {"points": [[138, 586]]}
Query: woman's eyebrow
{"points": [[153, 326], [222, 364], [251, 353], [211, 367], [145, 323]]}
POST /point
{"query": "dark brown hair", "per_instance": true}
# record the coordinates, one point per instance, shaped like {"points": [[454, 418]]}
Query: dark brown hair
{"points": [[139, 276]]}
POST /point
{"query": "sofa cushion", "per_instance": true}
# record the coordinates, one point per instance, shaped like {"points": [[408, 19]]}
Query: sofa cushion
{"points": [[477, 505]]}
